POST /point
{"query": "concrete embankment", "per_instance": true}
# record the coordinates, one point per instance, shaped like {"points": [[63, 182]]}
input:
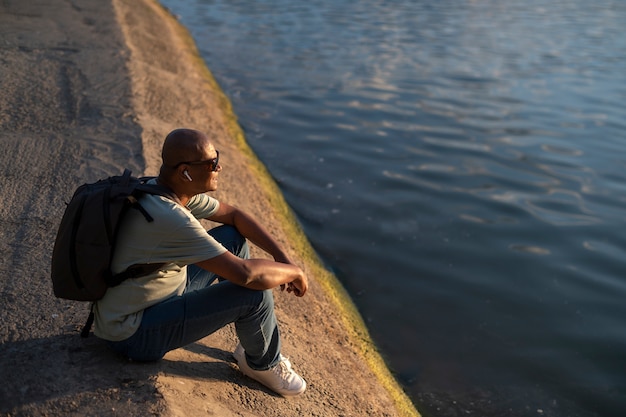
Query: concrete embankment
{"points": [[90, 88]]}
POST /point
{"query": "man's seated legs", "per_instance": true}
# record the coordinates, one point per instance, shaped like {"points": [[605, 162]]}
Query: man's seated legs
{"points": [[203, 309]]}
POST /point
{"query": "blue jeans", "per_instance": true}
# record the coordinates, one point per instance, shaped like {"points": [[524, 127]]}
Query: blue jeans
{"points": [[203, 309]]}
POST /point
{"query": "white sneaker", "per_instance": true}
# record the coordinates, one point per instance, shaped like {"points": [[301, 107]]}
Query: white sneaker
{"points": [[281, 378]]}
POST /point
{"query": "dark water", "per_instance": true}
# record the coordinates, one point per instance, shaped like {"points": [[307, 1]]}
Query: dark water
{"points": [[461, 165]]}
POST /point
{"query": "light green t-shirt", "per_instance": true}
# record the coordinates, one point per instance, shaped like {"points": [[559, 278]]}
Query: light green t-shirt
{"points": [[175, 237]]}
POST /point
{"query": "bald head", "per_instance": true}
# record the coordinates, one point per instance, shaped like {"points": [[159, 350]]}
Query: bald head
{"points": [[190, 164], [184, 145]]}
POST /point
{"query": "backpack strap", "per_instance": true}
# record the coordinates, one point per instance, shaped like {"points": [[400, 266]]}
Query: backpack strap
{"points": [[87, 327], [133, 271], [157, 189], [125, 178], [139, 270]]}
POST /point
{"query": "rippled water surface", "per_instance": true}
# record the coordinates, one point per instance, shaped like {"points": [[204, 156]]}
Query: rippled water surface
{"points": [[461, 166]]}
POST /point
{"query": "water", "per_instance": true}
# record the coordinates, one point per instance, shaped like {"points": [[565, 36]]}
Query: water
{"points": [[461, 168]]}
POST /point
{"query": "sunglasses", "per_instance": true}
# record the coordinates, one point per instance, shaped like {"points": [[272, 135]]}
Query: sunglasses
{"points": [[211, 163]]}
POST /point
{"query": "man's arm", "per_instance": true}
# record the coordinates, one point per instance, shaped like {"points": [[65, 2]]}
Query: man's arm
{"points": [[250, 229], [257, 274]]}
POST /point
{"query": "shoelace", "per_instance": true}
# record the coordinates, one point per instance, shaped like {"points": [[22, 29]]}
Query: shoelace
{"points": [[283, 370]]}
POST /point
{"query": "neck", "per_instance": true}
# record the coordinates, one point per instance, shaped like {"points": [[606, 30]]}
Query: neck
{"points": [[183, 196]]}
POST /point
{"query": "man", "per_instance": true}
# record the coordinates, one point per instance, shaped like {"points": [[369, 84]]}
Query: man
{"points": [[145, 317]]}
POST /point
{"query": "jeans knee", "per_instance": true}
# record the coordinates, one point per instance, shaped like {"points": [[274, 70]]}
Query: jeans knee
{"points": [[261, 303]]}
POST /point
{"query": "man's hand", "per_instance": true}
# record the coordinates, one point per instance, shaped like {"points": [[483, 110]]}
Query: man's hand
{"points": [[298, 287]]}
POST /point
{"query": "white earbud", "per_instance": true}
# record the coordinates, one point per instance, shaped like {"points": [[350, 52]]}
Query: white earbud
{"points": [[186, 174]]}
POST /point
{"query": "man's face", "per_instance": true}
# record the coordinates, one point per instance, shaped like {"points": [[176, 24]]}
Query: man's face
{"points": [[206, 169]]}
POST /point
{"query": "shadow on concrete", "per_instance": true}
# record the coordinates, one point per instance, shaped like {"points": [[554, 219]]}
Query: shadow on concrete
{"points": [[67, 375]]}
